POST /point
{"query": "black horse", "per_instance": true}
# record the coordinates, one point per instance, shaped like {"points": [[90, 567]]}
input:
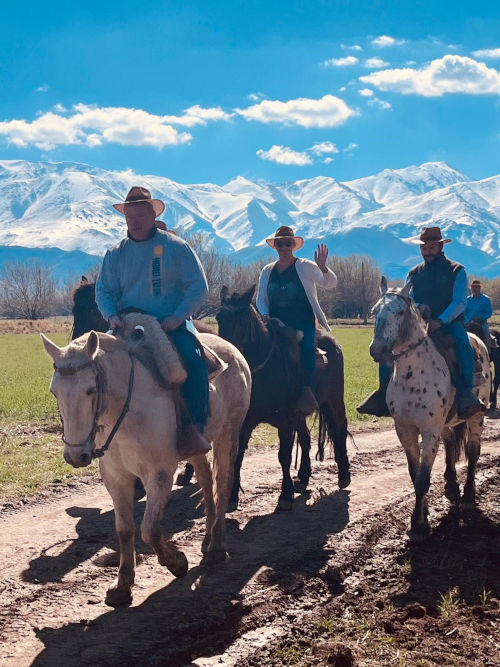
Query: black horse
{"points": [[86, 314], [276, 384], [494, 349]]}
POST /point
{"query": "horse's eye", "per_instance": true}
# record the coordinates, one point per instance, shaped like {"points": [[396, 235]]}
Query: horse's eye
{"points": [[91, 391]]}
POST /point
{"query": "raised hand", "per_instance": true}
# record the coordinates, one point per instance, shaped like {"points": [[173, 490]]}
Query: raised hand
{"points": [[320, 256]]}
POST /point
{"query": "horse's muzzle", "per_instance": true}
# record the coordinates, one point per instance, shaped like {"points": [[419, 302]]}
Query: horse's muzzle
{"points": [[379, 352], [77, 458]]}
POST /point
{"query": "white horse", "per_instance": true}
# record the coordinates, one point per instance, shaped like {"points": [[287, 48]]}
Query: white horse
{"points": [[114, 407], [420, 396]]}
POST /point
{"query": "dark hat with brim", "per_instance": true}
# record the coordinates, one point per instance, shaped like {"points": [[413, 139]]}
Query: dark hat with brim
{"points": [[429, 235], [285, 232], [475, 283], [136, 195]]}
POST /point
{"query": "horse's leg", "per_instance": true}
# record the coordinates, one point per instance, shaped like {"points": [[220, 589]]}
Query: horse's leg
{"points": [[121, 489], [244, 437], [496, 384], [285, 432], [225, 448], [452, 449], [419, 521], [204, 477], [472, 451], [304, 474], [158, 486], [184, 478]]}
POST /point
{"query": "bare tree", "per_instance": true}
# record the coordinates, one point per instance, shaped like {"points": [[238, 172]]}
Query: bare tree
{"points": [[27, 290], [357, 288]]}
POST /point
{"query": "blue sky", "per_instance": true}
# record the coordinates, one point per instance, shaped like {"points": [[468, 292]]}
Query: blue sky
{"points": [[207, 91]]}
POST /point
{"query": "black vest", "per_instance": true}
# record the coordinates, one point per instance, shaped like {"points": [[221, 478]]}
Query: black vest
{"points": [[433, 283]]}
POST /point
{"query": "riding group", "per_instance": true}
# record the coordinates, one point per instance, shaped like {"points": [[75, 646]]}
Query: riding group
{"points": [[141, 401]]}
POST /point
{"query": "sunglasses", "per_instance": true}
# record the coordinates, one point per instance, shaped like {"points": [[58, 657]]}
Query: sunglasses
{"points": [[283, 244]]}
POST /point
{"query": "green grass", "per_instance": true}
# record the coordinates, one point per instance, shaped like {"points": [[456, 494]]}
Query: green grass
{"points": [[30, 444]]}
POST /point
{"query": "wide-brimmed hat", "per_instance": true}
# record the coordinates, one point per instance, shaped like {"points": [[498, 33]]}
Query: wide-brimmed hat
{"points": [[286, 233], [138, 194], [475, 283], [429, 235]]}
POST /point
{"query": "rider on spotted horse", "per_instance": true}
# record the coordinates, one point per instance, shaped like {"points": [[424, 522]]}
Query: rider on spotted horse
{"points": [[439, 288], [287, 291]]}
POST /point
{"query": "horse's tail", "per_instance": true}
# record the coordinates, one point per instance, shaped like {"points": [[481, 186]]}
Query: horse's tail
{"points": [[332, 413], [455, 442]]}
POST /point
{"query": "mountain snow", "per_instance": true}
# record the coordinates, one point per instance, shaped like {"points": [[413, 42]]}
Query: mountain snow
{"points": [[69, 206]]}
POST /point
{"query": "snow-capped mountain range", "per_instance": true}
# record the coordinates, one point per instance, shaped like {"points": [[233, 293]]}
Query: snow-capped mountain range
{"points": [[68, 206]]}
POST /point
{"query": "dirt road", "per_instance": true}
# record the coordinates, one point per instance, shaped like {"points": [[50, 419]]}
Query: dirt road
{"points": [[334, 581]]}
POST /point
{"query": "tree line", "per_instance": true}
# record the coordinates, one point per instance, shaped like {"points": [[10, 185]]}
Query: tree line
{"points": [[30, 290]]}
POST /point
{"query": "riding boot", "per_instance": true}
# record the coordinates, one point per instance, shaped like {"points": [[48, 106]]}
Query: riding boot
{"points": [[468, 403], [192, 442], [376, 404], [307, 402]]}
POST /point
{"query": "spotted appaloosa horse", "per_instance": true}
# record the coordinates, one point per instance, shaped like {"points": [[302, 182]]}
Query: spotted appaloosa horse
{"points": [[420, 395]]}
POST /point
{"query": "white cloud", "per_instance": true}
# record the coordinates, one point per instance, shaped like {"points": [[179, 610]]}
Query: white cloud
{"points": [[386, 40], [353, 47], [346, 61], [93, 126], [255, 97], [285, 155], [351, 147], [60, 108], [487, 53], [381, 104], [327, 160], [375, 63], [322, 147], [366, 92], [450, 74], [42, 89], [328, 111]]}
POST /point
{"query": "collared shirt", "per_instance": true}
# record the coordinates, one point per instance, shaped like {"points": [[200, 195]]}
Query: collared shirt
{"points": [[479, 307]]}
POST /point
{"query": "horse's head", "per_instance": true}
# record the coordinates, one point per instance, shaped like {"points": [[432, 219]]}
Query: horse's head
{"points": [[75, 384], [235, 315], [86, 315], [395, 318]]}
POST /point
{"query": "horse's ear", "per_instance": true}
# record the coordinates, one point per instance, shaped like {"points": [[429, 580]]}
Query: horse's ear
{"points": [[405, 291], [383, 285], [223, 293], [53, 350], [248, 295], [92, 344]]}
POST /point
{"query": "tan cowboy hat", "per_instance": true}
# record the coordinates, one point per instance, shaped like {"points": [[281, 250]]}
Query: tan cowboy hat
{"points": [[138, 194], [428, 235], [286, 233]]}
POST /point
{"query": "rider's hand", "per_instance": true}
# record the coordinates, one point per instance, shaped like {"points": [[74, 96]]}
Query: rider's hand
{"points": [[434, 325], [171, 323], [115, 322], [320, 257]]}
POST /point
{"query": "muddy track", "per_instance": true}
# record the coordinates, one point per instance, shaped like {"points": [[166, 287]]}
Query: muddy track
{"points": [[290, 580]]}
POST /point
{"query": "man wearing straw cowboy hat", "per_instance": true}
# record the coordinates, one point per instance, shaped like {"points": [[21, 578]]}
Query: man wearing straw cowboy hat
{"points": [[478, 308], [158, 273], [439, 287]]}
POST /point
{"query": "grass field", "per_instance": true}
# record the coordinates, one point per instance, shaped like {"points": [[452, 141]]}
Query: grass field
{"points": [[30, 445]]}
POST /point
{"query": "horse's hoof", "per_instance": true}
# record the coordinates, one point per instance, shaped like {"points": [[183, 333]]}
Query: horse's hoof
{"points": [[452, 492], [214, 557], [344, 481], [232, 506], [118, 597], [177, 564], [284, 505], [419, 534], [299, 486]]}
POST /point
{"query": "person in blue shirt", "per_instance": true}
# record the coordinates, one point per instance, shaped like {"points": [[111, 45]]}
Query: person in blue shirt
{"points": [[478, 309], [439, 288], [156, 272]]}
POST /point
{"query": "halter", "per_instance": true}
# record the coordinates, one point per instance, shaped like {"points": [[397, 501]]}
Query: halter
{"points": [[412, 346], [97, 453]]}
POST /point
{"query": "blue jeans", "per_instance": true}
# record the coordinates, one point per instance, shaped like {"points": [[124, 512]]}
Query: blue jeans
{"points": [[465, 353], [195, 389]]}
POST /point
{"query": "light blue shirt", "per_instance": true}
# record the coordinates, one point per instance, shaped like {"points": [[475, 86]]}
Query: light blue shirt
{"points": [[162, 276], [478, 307], [458, 299]]}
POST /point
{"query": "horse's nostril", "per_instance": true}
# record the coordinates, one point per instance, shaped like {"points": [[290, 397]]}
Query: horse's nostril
{"points": [[84, 458]]}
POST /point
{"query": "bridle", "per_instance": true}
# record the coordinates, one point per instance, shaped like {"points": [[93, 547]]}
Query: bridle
{"points": [[412, 346], [98, 373]]}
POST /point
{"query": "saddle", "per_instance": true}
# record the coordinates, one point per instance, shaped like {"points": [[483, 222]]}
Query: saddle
{"points": [[290, 338]]}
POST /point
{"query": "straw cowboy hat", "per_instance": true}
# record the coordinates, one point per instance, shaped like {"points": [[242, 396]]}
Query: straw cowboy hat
{"points": [[138, 194], [428, 235], [286, 233]]}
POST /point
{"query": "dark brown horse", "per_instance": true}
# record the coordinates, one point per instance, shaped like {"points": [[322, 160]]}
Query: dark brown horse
{"points": [[86, 314], [494, 351], [276, 384]]}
